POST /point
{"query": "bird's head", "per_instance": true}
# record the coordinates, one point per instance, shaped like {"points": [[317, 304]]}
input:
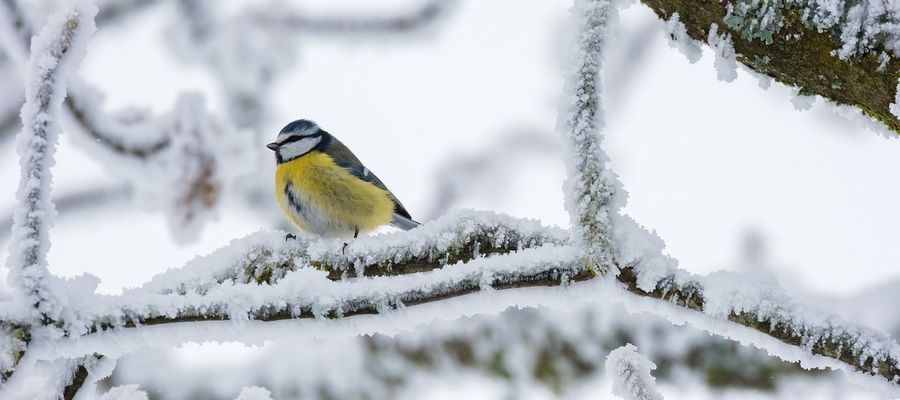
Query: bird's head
{"points": [[296, 139]]}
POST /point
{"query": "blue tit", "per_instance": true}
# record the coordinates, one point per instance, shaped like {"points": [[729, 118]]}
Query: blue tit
{"points": [[324, 189]]}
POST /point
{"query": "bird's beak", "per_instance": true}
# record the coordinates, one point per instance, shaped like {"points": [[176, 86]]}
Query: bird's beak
{"points": [[272, 146]]}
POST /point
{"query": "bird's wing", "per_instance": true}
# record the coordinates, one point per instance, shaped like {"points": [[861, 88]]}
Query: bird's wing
{"points": [[344, 158]]}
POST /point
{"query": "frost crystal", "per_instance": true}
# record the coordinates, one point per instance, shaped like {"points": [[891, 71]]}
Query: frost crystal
{"points": [[726, 63], [55, 52], [630, 373], [802, 102], [861, 25], [590, 187], [679, 39]]}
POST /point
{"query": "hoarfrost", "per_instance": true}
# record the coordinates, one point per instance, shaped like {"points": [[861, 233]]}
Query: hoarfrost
{"points": [[802, 102], [592, 191], [630, 373], [679, 39], [861, 25], [725, 63], [55, 52]]}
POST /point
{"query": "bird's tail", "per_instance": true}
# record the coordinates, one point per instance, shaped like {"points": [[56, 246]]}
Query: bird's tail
{"points": [[404, 223]]}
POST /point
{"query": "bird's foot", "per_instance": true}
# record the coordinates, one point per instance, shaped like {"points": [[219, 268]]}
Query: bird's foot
{"points": [[289, 236]]}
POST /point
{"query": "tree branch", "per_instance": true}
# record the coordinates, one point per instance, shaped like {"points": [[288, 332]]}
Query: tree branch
{"points": [[802, 45], [58, 48]]}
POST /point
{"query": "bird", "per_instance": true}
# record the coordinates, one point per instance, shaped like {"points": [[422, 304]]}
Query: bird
{"points": [[323, 188]]}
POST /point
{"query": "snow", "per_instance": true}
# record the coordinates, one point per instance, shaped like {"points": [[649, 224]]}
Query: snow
{"points": [[590, 188], [679, 39], [630, 373], [264, 249], [725, 61], [802, 102], [56, 51], [863, 26], [856, 115]]}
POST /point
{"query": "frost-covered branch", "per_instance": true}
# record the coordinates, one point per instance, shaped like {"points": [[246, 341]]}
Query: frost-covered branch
{"points": [[590, 186], [764, 307], [630, 372], [844, 50], [556, 350], [54, 53]]}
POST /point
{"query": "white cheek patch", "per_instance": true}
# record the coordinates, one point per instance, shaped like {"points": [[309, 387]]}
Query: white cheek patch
{"points": [[296, 149]]}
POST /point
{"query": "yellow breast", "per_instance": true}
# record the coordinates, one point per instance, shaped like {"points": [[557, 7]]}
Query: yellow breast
{"points": [[327, 199]]}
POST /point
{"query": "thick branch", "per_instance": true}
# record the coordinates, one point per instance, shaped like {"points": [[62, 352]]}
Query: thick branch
{"points": [[866, 351], [302, 292], [794, 47], [545, 266]]}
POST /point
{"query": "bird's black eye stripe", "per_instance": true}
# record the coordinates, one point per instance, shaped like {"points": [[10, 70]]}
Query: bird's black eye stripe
{"points": [[296, 138]]}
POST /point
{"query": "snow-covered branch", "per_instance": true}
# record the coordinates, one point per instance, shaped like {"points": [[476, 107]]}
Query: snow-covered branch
{"points": [[54, 53], [845, 51], [590, 187], [630, 373], [763, 306]]}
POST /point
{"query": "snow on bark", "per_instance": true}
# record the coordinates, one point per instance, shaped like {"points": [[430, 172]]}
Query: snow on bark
{"points": [[726, 62], [861, 25], [308, 293], [679, 39], [55, 52], [11, 347], [590, 188], [630, 373], [265, 257]]}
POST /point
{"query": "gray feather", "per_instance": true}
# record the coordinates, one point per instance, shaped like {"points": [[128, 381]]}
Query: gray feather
{"points": [[404, 223]]}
